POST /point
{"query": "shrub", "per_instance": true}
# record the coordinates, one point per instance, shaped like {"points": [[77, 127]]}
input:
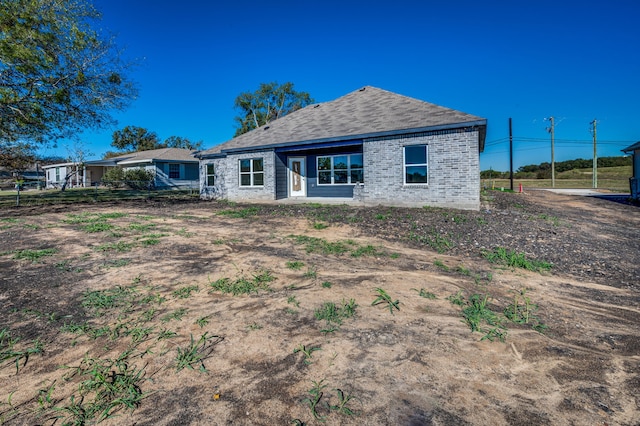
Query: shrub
{"points": [[138, 178], [113, 177]]}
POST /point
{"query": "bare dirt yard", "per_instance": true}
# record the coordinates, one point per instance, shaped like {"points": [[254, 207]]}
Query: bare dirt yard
{"points": [[208, 313]]}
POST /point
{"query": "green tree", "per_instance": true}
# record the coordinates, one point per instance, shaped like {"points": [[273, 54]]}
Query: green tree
{"points": [[58, 75], [270, 102], [17, 157], [132, 138], [180, 142]]}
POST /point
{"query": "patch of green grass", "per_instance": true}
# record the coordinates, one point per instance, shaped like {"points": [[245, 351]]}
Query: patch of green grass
{"points": [[326, 284], [31, 226], [320, 245], [551, 219], [185, 292], [243, 285], [295, 265], [107, 386], [254, 326], [438, 242], [119, 247], [10, 352], [65, 265], [112, 215], [100, 301], [176, 315], [202, 321], [514, 259], [522, 311], [97, 227], [149, 242], [461, 269], [456, 299], [292, 300], [440, 265], [367, 250], [424, 293], [183, 233], [34, 255], [116, 263], [240, 213], [312, 273], [383, 298], [196, 352], [141, 227], [334, 313], [166, 334], [320, 225], [476, 314]]}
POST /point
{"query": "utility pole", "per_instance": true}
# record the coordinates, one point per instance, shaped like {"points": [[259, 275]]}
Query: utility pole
{"points": [[510, 153], [551, 130], [595, 154]]}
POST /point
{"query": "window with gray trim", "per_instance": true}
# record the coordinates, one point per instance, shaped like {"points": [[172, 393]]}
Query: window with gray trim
{"points": [[211, 175], [252, 172], [416, 164], [174, 171], [340, 169]]}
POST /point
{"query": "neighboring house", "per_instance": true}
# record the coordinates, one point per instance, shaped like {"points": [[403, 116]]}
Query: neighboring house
{"points": [[371, 146], [172, 167], [634, 181]]}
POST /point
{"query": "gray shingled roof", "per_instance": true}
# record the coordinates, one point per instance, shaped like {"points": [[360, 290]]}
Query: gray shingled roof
{"points": [[366, 112], [166, 154]]}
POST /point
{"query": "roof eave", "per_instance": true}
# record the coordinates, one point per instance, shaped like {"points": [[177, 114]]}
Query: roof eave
{"points": [[630, 149], [481, 123]]}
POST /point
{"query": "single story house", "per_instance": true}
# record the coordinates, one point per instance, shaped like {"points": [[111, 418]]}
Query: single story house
{"points": [[172, 167], [371, 146], [634, 181]]}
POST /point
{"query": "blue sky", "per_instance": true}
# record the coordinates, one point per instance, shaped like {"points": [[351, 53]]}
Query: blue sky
{"points": [[495, 59]]}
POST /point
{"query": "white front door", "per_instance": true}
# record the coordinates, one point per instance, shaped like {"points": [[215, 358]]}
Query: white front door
{"points": [[297, 177]]}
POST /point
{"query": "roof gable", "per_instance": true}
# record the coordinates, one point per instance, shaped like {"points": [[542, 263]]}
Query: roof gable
{"points": [[632, 147], [366, 112]]}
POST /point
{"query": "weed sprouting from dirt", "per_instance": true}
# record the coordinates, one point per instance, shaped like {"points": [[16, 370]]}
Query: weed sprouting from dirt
{"points": [[242, 284], [9, 351], [320, 245], [307, 352], [384, 298], [34, 255], [185, 292], [513, 259], [240, 213], [196, 352], [426, 294], [107, 386], [522, 311], [334, 313], [295, 265]]}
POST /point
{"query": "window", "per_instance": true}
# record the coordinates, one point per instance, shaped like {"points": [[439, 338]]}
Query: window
{"points": [[174, 171], [415, 164], [251, 172], [57, 174], [340, 169], [211, 175]]}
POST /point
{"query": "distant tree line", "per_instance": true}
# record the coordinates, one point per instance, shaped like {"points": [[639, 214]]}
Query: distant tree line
{"points": [[543, 170]]}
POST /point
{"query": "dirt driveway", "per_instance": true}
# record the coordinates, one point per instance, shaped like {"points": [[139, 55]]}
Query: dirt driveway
{"points": [[203, 313]]}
